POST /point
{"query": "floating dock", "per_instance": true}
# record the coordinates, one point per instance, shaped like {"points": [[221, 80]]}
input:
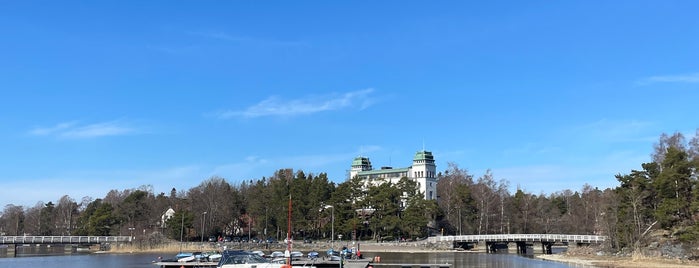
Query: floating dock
{"points": [[195, 264], [317, 264], [412, 265], [304, 263]]}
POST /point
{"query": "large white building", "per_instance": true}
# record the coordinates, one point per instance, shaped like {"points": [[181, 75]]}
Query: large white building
{"points": [[423, 171]]}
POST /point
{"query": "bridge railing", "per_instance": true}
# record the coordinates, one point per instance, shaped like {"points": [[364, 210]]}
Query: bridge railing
{"points": [[521, 238], [62, 239]]}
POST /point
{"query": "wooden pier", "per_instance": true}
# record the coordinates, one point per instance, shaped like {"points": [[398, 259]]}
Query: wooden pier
{"points": [[356, 263], [304, 263], [195, 264], [412, 265], [333, 264], [317, 264]]}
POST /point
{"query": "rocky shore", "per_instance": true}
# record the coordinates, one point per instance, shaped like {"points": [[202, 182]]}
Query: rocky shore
{"points": [[620, 262], [598, 256]]}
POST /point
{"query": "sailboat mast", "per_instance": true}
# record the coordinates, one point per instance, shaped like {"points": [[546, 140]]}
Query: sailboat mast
{"points": [[288, 234]]}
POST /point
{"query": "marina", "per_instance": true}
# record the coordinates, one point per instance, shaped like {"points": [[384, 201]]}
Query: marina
{"points": [[303, 263], [388, 260], [247, 259], [167, 264]]}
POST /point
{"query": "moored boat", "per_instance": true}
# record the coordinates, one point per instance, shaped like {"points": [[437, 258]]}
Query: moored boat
{"points": [[313, 255], [276, 254], [245, 259], [296, 255]]}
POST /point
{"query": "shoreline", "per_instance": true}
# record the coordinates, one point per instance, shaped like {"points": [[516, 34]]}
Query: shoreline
{"points": [[370, 247], [407, 247], [617, 262]]}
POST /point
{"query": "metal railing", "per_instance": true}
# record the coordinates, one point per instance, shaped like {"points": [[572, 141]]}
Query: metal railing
{"points": [[520, 238], [63, 239]]}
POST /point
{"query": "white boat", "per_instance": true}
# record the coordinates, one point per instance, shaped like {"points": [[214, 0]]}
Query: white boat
{"points": [[296, 255], [244, 259], [215, 257], [333, 255], [276, 254], [186, 259], [278, 260]]}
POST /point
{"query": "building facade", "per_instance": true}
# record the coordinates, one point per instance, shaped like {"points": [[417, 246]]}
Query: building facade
{"points": [[423, 171]]}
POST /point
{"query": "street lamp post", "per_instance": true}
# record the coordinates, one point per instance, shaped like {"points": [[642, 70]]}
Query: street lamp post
{"points": [[332, 226], [181, 230], [203, 219]]}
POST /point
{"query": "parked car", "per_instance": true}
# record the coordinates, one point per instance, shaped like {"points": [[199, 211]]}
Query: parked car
{"points": [[271, 240], [227, 239], [212, 238], [307, 241], [236, 239]]}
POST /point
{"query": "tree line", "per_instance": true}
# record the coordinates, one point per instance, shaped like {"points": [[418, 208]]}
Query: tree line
{"points": [[662, 195]]}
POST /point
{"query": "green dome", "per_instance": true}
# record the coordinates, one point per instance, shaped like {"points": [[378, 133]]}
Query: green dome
{"points": [[361, 161], [423, 155]]}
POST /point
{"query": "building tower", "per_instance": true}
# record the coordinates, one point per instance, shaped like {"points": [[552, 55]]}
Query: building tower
{"points": [[424, 172], [360, 164]]}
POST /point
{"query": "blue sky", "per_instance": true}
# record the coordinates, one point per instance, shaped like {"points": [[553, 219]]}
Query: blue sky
{"points": [[549, 95]]}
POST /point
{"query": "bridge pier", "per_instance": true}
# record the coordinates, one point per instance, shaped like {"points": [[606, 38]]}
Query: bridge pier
{"points": [[464, 245], [524, 248], [70, 249], [7, 250], [546, 247], [495, 247]]}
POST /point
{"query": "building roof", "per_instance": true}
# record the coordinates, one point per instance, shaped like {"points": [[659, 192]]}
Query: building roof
{"points": [[360, 161], [424, 155], [383, 171]]}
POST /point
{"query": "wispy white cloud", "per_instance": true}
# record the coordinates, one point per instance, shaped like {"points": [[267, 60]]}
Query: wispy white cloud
{"points": [[173, 49], [531, 148], [681, 78], [256, 166], [74, 130], [614, 130], [276, 106], [548, 176], [23, 190], [241, 39], [365, 149]]}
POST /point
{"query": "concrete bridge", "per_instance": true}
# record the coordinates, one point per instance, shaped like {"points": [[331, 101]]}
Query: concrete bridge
{"points": [[524, 241], [63, 239], [12, 246]]}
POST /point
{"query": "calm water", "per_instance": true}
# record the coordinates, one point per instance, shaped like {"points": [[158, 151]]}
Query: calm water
{"points": [[464, 259], [457, 259]]}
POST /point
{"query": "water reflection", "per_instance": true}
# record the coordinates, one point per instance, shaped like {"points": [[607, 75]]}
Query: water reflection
{"points": [[467, 259], [456, 259]]}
